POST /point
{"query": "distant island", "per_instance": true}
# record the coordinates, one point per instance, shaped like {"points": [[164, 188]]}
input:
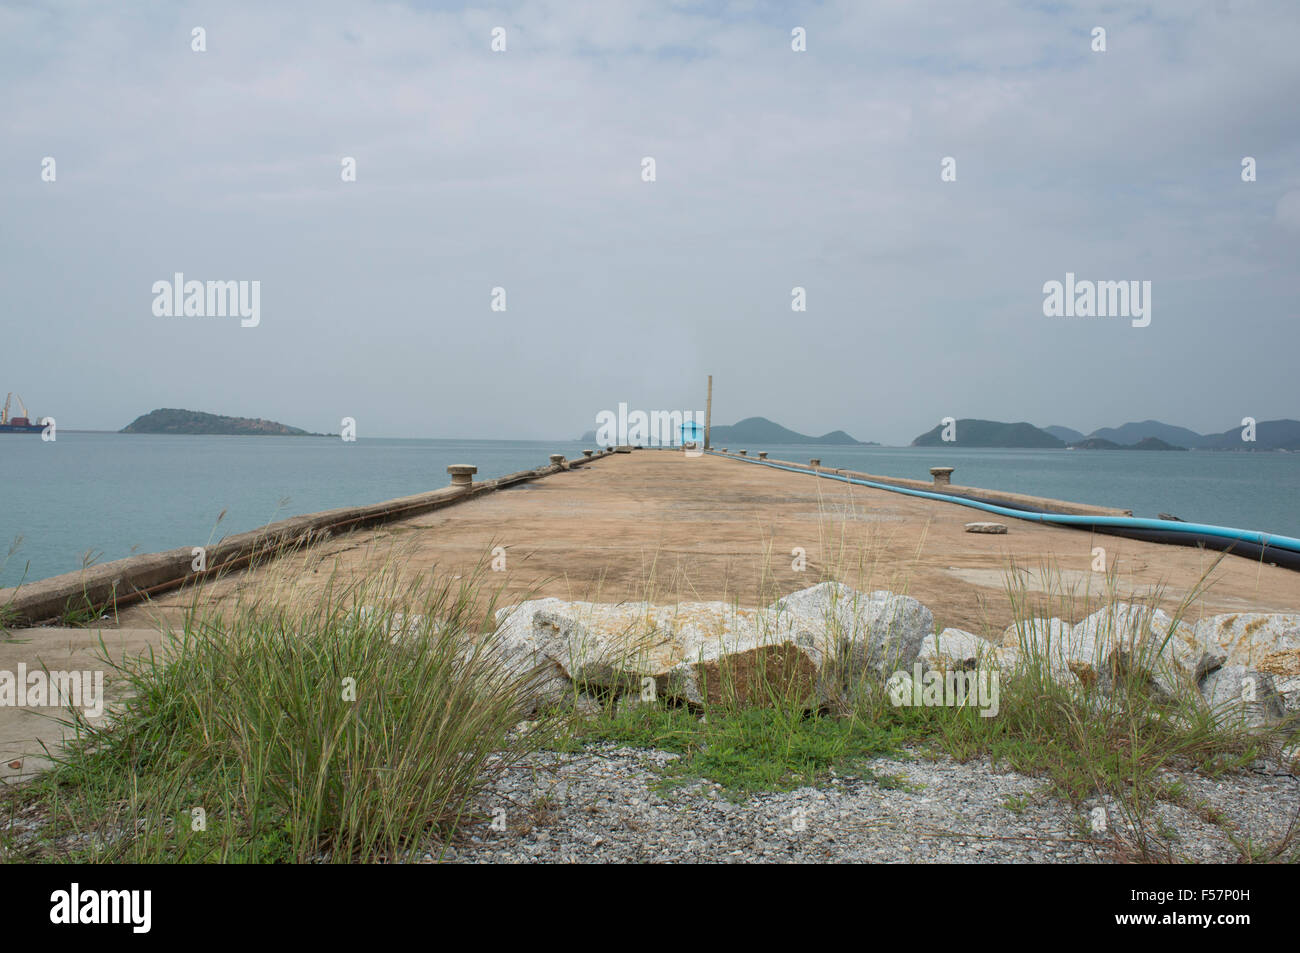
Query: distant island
{"points": [[173, 420], [1269, 435], [760, 430], [990, 433], [1129, 434], [763, 432], [1146, 443]]}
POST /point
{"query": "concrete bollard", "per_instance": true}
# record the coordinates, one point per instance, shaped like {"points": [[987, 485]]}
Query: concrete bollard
{"points": [[587, 454], [743, 453], [942, 475], [815, 462], [462, 474], [557, 459], [762, 454], [724, 449]]}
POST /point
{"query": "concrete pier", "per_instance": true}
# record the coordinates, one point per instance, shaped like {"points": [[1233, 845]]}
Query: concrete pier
{"points": [[710, 527]]}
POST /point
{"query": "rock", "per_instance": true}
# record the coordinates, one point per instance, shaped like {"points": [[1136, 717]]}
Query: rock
{"points": [[1242, 697], [1119, 638], [399, 627], [630, 702], [957, 649], [1049, 641], [808, 644], [1267, 642], [696, 652], [545, 682], [748, 676], [1289, 689], [1133, 639], [997, 529], [852, 632]]}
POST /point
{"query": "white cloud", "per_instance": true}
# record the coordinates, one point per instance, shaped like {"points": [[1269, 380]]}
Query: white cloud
{"points": [[775, 168]]}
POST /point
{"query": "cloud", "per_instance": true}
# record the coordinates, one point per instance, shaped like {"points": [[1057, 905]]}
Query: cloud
{"points": [[521, 169], [1288, 211]]}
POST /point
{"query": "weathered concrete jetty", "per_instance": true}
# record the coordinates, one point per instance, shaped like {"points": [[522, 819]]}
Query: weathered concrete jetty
{"points": [[608, 526]]}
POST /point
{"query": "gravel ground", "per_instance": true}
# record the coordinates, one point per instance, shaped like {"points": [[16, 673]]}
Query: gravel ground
{"points": [[601, 806]]}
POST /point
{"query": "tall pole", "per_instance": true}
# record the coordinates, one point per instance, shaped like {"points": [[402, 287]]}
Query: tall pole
{"points": [[708, 414]]}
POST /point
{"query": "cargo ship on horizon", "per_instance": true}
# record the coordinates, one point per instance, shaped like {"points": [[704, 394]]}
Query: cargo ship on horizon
{"points": [[21, 424]]}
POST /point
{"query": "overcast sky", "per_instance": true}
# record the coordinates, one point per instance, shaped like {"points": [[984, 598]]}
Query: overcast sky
{"points": [[522, 169]]}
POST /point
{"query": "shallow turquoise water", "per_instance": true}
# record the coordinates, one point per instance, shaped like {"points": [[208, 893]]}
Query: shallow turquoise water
{"points": [[111, 495], [1258, 491]]}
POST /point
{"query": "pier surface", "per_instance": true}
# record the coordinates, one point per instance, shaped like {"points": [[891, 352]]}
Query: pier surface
{"points": [[663, 526]]}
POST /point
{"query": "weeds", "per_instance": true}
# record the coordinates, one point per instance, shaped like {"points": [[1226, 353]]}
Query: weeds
{"points": [[748, 749], [278, 734]]}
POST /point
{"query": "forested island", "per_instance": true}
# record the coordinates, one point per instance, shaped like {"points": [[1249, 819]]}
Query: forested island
{"points": [[175, 421]]}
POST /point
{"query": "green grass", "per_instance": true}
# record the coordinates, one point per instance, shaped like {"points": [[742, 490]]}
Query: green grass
{"points": [[1016, 804], [300, 735], [79, 612], [745, 750]]}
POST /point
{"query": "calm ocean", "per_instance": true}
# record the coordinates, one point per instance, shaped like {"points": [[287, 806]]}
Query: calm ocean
{"points": [[105, 496]]}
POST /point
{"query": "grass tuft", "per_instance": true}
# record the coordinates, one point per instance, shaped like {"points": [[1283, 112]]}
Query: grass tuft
{"points": [[289, 734]]}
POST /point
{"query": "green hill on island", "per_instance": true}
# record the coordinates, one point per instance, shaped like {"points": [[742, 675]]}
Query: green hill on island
{"points": [[760, 430], [1068, 434], [1146, 443], [173, 420], [990, 433], [1269, 435], [1154, 435], [1129, 434]]}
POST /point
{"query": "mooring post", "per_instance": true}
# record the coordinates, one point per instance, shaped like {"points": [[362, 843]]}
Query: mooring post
{"points": [[815, 462], [557, 459], [762, 454], [743, 453], [587, 454], [942, 475], [462, 474], [708, 413]]}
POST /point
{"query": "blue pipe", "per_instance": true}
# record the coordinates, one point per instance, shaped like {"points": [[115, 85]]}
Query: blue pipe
{"points": [[1125, 522]]}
